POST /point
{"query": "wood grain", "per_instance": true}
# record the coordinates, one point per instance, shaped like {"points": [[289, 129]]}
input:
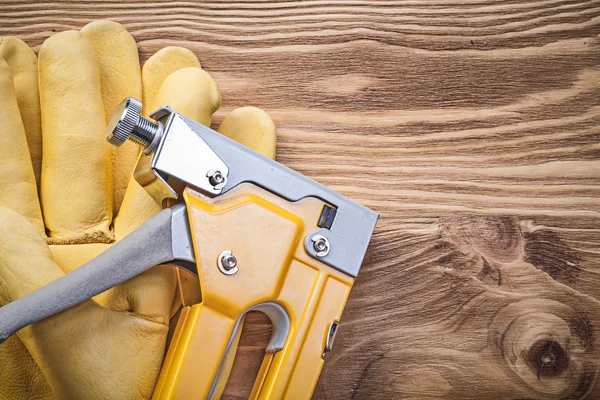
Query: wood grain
{"points": [[473, 128]]}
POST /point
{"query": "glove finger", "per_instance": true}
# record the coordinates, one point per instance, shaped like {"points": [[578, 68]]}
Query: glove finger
{"points": [[121, 77], [17, 185], [76, 187], [253, 128], [192, 92], [137, 207], [22, 62], [119, 62], [158, 67]]}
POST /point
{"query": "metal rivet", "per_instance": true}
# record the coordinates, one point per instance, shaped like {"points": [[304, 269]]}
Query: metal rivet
{"points": [[216, 178], [227, 263], [321, 245]]}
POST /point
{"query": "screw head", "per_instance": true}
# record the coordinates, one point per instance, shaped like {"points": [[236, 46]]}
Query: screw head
{"points": [[227, 263], [216, 178], [321, 245], [123, 121]]}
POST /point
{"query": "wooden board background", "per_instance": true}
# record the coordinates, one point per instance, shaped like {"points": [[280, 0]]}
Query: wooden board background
{"points": [[473, 128]]}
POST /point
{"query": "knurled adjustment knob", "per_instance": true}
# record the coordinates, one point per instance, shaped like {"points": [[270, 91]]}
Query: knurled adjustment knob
{"points": [[127, 123]]}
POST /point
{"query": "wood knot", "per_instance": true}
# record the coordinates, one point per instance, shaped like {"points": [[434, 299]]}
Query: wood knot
{"points": [[496, 238], [548, 345], [547, 358]]}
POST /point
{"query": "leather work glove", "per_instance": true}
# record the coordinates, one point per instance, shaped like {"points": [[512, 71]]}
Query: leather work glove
{"points": [[52, 137]]}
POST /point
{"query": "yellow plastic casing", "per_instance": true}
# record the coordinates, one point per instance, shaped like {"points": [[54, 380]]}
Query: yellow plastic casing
{"points": [[266, 234]]}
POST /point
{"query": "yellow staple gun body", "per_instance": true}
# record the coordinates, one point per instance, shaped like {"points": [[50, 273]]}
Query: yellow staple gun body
{"points": [[303, 297], [258, 235]]}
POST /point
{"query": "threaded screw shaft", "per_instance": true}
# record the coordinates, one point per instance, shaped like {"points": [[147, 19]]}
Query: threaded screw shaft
{"points": [[128, 123]]}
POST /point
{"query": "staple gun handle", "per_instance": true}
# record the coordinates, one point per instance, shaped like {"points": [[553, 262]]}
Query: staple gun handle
{"points": [[136, 253]]}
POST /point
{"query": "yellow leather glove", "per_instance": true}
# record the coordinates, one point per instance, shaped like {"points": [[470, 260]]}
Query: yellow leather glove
{"points": [[110, 347]]}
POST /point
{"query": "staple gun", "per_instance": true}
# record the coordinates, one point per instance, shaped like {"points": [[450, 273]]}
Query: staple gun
{"points": [[258, 235]]}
